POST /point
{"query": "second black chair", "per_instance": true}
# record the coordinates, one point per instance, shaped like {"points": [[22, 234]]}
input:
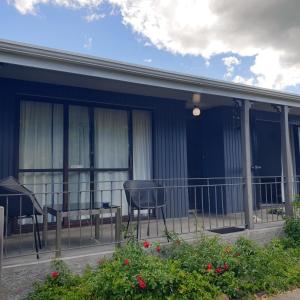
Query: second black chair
{"points": [[144, 195]]}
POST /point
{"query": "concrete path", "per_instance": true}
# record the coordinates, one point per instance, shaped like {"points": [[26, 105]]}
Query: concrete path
{"points": [[294, 295]]}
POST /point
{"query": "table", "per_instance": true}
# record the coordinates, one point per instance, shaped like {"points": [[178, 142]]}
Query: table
{"points": [[74, 210]]}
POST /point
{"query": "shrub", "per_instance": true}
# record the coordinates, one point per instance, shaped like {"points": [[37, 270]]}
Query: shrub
{"points": [[179, 271], [292, 232]]}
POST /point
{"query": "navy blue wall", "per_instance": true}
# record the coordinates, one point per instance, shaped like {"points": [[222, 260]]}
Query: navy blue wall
{"points": [[170, 154], [169, 131], [8, 126]]}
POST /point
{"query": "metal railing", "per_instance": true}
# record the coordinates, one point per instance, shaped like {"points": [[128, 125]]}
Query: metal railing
{"points": [[99, 217]]}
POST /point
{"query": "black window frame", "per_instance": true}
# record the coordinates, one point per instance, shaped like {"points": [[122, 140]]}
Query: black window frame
{"points": [[92, 170]]}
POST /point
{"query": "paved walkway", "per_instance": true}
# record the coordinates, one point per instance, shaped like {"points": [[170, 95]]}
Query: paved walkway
{"points": [[295, 295]]}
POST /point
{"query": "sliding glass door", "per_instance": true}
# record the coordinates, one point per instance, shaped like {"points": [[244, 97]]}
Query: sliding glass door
{"points": [[104, 148]]}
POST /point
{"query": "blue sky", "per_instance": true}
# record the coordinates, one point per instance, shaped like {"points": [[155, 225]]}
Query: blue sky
{"points": [[125, 34]]}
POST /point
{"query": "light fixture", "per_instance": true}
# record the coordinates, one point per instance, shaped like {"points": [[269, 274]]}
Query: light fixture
{"points": [[196, 101], [196, 111]]}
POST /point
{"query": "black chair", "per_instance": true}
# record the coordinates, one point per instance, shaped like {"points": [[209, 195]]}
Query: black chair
{"points": [[20, 203], [144, 195]]}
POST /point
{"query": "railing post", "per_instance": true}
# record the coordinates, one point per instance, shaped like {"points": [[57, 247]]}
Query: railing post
{"points": [[246, 160], [1, 238], [118, 227], [58, 235], [287, 166]]}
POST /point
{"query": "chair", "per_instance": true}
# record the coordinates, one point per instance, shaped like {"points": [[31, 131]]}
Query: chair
{"points": [[144, 195], [20, 203]]}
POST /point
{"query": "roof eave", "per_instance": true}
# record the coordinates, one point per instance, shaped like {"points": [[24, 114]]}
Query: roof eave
{"points": [[41, 57]]}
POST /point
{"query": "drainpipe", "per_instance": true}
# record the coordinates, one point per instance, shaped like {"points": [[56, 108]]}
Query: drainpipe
{"points": [[246, 160], [287, 165]]}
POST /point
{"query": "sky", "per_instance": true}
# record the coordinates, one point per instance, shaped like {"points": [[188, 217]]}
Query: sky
{"points": [[251, 42]]}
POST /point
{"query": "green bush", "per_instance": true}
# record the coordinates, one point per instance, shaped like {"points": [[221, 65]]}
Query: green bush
{"points": [[181, 271], [292, 232]]}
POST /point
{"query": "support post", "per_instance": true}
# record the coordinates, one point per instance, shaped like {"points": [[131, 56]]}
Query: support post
{"points": [[287, 166], [58, 234], [246, 157], [118, 227], [1, 238]]}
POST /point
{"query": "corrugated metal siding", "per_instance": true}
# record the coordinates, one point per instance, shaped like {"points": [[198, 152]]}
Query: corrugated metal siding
{"points": [[170, 156], [7, 134], [232, 159]]}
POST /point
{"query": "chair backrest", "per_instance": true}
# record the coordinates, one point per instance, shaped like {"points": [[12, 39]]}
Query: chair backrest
{"points": [[144, 194], [17, 199]]}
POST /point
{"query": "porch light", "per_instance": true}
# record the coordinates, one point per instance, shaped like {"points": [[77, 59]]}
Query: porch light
{"points": [[196, 101], [196, 111]]}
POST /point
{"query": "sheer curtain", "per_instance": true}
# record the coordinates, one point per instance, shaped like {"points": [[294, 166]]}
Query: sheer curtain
{"points": [[111, 152], [41, 147], [79, 155], [142, 144]]}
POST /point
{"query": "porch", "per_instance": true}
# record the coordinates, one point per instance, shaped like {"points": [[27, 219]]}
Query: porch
{"points": [[81, 234], [73, 139]]}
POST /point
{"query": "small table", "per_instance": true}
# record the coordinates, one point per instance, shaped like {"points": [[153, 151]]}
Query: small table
{"points": [[74, 210]]}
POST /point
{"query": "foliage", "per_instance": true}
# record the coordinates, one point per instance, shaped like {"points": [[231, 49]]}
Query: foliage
{"points": [[292, 232], [179, 270]]}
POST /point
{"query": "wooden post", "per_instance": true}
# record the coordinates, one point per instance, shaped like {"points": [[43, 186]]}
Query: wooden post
{"points": [[246, 157], [118, 227], [58, 235], [97, 224], [287, 166]]}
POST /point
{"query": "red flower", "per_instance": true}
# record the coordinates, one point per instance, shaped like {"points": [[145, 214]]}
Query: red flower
{"points": [[146, 244], [226, 267], [209, 267], [141, 282], [219, 270], [158, 248], [54, 275], [126, 262]]}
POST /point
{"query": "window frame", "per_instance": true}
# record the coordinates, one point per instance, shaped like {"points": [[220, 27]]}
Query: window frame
{"points": [[91, 170]]}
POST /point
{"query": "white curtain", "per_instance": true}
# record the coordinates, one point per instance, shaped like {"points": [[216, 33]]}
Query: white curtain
{"points": [[111, 138], [111, 151], [79, 155], [142, 144], [41, 147]]}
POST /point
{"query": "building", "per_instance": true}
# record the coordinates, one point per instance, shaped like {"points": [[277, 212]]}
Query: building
{"points": [[73, 128]]}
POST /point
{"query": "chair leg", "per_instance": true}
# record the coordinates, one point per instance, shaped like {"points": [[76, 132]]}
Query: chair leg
{"points": [[35, 240], [138, 225], [166, 229], [38, 231]]}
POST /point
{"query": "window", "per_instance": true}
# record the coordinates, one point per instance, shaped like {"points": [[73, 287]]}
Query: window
{"points": [[79, 155], [41, 149], [105, 147]]}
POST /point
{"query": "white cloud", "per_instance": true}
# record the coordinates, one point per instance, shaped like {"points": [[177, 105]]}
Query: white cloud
{"points": [[88, 43], [267, 30], [243, 80], [94, 17], [148, 60], [31, 6], [209, 27], [230, 62]]}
